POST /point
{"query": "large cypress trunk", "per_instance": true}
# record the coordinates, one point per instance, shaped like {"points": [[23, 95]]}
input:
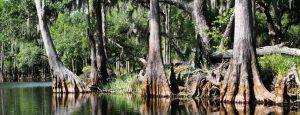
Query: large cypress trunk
{"points": [[242, 82], [155, 83], [63, 80], [99, 44]]}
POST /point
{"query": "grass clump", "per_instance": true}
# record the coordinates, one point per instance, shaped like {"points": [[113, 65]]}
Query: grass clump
{"points": [[278, 64], [127, 83]]}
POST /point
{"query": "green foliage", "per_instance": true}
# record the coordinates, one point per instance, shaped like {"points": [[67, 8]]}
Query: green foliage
{"points": [[218, 26], [124, 84], [280, 64], [183, 33], [127, 33], [86, 69], [69, 36], [18, 33], [28, 56]]}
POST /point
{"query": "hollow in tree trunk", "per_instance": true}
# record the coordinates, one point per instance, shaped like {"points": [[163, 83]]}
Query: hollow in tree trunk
{"points": [[63, 80], [155, 83], [242, 82]]}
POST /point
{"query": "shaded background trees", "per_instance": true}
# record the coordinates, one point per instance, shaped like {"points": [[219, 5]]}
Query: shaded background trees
{"points": [[126, 29]]}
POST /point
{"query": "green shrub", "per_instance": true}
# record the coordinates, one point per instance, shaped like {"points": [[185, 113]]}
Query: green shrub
{"points": [[124, 84], [280, 64], [86, 69]]}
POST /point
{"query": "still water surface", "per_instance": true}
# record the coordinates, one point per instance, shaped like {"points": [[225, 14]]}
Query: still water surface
{"points": [[35, 98]]}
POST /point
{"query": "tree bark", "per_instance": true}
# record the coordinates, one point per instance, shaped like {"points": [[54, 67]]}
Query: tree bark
{"points": [[242, 82], [203, 40], [15, 77], [63, 80], [103, 14], [197, 9], [155, 83], [2, 62], [127, 67], [228, 31], [117, 71], [168, 35], [228, 4], [91, 41], [99, 42]]}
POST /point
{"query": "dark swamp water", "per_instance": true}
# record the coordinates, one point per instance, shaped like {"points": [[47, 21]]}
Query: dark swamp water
{"points": [[35, 98]]}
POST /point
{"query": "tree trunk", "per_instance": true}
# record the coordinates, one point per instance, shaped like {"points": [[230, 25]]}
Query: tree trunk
{"points": [[15, 77], [127, 67], [242, 82], [155, 83], [99, 42], [103, 14], [203, 45], [228, 4], [2, 62], [168, 35], [117, 66], [228, 31], [63, 80], [91, 41], [73, 65]]}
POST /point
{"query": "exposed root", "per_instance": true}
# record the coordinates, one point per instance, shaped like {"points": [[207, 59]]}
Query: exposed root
{"points": [[260, 92], [64, 81], [243, 95], [157, 88]]}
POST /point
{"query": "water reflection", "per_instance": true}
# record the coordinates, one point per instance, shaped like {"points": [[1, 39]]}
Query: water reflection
{"points": [[65, 104], [38, 100], [105, 104]]}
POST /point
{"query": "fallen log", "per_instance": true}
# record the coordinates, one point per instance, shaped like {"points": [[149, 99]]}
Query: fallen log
{"points": [[261, 51]]}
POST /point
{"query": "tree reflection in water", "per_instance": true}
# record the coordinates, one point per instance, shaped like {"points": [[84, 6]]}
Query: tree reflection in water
{"points": [[106, 104], [67, 103]]}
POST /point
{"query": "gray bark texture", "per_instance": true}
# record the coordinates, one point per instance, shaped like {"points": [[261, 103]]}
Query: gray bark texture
{"points": [[63, 80], [155, 83], [92, 46], [242, 82]]}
